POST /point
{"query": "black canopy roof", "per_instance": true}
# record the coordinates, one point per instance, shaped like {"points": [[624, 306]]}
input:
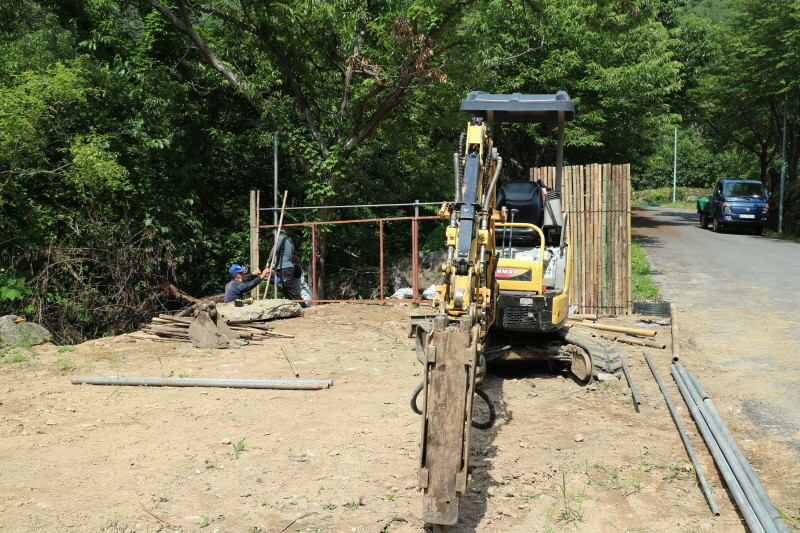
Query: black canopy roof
{"points": [[519, 107]]}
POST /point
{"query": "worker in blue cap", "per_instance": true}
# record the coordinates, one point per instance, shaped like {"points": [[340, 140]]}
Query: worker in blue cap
{"points": [[240, 282]]}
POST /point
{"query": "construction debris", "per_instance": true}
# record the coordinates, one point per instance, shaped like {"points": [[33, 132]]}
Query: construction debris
{"points": [[169, 327]]}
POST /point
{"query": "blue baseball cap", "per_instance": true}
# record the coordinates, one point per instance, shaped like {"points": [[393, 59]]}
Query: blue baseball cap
{"points": [[236, 269]]}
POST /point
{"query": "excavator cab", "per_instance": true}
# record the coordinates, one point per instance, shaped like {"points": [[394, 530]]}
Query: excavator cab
{"points": [[533, 264]]}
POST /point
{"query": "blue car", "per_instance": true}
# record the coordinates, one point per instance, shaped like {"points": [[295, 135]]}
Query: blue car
{"points": [[736, 203]]}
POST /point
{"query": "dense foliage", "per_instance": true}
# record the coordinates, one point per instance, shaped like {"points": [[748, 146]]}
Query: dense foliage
{"points": [[131, 131]]}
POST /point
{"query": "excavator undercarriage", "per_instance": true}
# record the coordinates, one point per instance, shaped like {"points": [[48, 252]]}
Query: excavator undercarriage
{"points": [[504, 295]]}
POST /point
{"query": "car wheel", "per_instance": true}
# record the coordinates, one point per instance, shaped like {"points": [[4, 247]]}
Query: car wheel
{"points": [[717, 226], [703, 220], [759, 230]]}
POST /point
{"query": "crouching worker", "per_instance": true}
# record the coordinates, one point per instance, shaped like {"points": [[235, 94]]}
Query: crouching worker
{"points": [[240, 282]]}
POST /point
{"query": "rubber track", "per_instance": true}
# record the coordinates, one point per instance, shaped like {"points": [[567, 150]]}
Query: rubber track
{"points": [[606, 357]]}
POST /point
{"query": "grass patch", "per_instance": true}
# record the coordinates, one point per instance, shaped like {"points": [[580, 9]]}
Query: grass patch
{"points": [[643, 287], [21, 352]]}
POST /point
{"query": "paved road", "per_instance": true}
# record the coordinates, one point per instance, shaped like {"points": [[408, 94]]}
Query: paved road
{"points": [[739, 301]]}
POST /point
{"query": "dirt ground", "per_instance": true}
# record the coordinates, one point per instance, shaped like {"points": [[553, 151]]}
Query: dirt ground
{"points": [[562, 456]]}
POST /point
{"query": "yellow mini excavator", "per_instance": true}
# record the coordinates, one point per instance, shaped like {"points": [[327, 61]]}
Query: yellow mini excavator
{"points": [[504, 294]]}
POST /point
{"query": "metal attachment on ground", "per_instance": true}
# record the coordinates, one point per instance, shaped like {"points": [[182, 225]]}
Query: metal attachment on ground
{"points": [[208, 331]]}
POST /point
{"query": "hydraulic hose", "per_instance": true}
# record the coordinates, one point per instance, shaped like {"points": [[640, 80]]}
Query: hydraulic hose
{"points": [[492, 186], [477, 425]]}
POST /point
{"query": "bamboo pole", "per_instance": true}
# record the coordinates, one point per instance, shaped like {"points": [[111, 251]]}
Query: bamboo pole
{"points": [[629, 303], [584, 238], [641, 342], [604, 240], [620, 329], [621, 284], [583, 316], [593, 226], [619, 308], [618, 259], [598, 220]]}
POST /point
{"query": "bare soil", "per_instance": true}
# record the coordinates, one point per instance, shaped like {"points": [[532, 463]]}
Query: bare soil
{"points": [[562, 457]]}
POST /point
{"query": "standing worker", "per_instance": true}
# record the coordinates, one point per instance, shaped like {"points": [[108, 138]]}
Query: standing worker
{"points": [[283, 250], [237, 286]]}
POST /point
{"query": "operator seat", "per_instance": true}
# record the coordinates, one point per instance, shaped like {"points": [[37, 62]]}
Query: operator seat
{"points": [[525, 196]]}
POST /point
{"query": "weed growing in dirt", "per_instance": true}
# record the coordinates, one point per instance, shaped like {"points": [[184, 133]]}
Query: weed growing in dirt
{"points": [[677, 471], [238, 447], [571, 502], [63, 364], [793, 520], [351, 505], [203, 521]]}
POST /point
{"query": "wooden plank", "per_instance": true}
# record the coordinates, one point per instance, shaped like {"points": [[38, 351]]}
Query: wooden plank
{"points": [[445, 427]]}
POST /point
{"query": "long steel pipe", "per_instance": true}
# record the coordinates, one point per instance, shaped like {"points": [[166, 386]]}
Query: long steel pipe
{"points": [[733, 461], [766, 502], [635, 394], [742, 500], [701, 478], [305, 384]]}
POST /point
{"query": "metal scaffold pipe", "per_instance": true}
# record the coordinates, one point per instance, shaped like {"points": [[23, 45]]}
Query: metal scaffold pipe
{"points": [[300, 384], [742, 500], [766, 502], [701, 478]]}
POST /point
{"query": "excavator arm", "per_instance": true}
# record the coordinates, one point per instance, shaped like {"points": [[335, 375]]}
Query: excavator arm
{"points": [[450, 345]]}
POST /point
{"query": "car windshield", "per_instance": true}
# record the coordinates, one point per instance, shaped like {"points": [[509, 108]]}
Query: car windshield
{"points": [[745, 190]]}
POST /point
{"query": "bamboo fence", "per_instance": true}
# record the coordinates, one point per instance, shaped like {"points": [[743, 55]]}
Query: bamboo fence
{"points": [[597, 200]]}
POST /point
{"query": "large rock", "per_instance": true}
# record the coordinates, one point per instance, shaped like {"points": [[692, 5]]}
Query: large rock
{"points": [[22, 332], [260, 310], [430, 271]]}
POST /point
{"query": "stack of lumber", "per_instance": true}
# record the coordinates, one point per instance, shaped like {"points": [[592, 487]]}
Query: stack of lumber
{"points": [[170, 327], [587, 324]]}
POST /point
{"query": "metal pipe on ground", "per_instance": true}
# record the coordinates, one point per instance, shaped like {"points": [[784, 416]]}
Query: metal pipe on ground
{"points": [[630, 382], [676, 341], [701, 478], [737, 452], [287, 384], [733, 461], [742, 501]]}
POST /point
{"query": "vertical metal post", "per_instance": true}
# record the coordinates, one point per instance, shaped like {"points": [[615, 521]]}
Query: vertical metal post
{"points": [[275, 182], [675, 165], [380, 228], [559, 151], [314, 262], [275, 205], [254, 252], [415, 250], [783, 162]]}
